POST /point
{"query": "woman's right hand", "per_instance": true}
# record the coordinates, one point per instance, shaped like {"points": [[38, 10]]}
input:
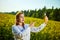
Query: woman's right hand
{"points": [[46, 19]]}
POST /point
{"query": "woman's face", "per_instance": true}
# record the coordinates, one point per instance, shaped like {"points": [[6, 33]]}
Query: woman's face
{"points": [[21, 18]]}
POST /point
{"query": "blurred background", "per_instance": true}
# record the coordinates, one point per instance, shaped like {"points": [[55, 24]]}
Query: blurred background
{"points": [[34, 10]]}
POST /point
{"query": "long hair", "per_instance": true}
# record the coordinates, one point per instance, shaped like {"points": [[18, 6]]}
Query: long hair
{"points": [[17, 18]]}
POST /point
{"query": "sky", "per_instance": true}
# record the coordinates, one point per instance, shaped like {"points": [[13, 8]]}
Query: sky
{"points": [[17, 5]]}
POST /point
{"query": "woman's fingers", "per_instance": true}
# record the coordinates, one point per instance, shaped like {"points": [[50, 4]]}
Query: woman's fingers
{"points": [[32, 24]]}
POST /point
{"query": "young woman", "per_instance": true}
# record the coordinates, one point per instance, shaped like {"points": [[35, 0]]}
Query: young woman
{"points": [[22, 31]]}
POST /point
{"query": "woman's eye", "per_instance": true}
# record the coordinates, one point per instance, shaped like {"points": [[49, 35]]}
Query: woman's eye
{"points": [[21, 17]]}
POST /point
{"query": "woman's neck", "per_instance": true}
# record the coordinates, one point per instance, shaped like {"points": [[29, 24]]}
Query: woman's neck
{"points": [[20, 24]]}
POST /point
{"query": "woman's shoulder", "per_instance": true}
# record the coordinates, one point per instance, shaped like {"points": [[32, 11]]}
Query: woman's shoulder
{"points": [[26, 25], [14, 26]]}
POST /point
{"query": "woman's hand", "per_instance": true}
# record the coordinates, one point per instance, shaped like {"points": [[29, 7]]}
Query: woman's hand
{"points": [[46, 19], [32, 24]]}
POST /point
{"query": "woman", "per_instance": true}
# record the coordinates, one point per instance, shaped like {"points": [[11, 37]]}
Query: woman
{"points": [[22, 31]]}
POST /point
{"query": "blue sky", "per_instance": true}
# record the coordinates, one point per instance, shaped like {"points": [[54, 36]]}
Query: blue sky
{"points": [[16, 5]]}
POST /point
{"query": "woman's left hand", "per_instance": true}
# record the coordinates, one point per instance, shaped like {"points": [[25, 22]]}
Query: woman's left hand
{"points": [[32, 24]]}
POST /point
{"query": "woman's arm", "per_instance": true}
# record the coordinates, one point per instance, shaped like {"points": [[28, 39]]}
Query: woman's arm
{"points": [[17, 33], [37, 29]]}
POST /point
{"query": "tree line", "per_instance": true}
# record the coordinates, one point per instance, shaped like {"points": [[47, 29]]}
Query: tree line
{"points": [[52, 13]]}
